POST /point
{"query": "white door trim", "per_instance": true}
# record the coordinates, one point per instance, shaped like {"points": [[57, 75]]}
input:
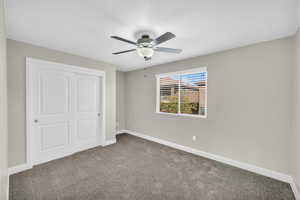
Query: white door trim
{"points": [[61, 67]]}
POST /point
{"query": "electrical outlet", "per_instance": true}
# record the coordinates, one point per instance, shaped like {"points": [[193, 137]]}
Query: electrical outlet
{"points": [[194, 138]]}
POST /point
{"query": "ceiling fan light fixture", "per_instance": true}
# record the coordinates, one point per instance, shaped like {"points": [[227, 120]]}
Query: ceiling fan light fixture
{"points": [[145, 52]]}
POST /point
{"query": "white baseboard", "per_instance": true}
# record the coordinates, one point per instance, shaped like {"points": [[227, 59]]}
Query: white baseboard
{"points": [[295, 189], [120, 132], [109, 142], [18, 168], [252, 168]]}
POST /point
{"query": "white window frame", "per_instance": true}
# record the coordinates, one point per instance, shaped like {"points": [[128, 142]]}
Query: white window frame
{"points": [[190, 71]]}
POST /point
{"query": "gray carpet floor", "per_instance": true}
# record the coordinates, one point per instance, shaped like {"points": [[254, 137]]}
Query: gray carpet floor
{"points": [[136, 169]]}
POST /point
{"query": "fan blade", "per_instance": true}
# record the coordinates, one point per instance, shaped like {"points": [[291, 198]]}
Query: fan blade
{"points": [[163, 38], [124, 51], [167, 50], [124, 40]]}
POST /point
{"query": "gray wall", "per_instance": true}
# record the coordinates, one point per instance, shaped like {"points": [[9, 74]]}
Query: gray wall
{"points": [[3, 108], [120, 100], [16, 53], [295, 102], [249, 108]]}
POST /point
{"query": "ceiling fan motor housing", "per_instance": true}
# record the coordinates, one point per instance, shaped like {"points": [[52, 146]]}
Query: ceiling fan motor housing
{"points": [[145, 41]]}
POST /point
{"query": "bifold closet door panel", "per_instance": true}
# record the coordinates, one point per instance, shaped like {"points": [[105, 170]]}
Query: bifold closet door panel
{"points": [[87, 111], [53, 121]]}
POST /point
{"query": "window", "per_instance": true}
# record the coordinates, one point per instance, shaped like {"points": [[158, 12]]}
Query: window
{"points": [[182, 93]]}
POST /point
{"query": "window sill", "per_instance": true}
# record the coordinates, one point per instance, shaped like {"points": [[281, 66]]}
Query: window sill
{"points": [[183, 115]]}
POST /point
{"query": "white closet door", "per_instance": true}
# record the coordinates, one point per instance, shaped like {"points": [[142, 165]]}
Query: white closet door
{"points": [[65, 112], [87, 113], [52, 114]]}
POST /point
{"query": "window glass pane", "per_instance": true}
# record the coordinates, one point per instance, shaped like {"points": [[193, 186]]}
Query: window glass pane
{"points": [[169, 93], [193, 93]]}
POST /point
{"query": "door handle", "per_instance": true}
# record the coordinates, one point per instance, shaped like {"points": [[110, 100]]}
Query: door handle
{"points": [[98, 114]]}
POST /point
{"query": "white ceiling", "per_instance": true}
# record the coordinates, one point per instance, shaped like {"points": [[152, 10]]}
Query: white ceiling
{"points": [[202, 26]]}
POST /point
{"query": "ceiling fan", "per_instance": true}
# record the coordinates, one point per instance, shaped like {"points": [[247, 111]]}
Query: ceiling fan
{"points": [[145, 46]]}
